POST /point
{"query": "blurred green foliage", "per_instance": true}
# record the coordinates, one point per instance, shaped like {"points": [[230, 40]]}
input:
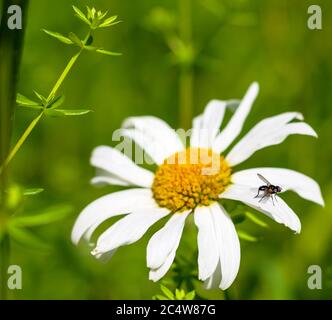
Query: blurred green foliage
{"points": [[237, 42]]}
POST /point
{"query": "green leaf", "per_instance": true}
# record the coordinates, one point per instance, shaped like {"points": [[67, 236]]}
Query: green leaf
{"points": [[27, 238], [79, 14], [48, 216], [179, 294], [26, 102], [102, 15], [190, 295], [109, 53], [108, 22], [75, 39], [102, 51], [58, 36], [256, 220], [91, 12], [33, 191], [168, 293], [42, 99], [66, 112], [57, 102], [246, 236]]}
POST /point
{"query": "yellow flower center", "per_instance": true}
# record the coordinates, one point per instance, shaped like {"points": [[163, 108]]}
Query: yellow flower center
{"points": [[190, 178]]}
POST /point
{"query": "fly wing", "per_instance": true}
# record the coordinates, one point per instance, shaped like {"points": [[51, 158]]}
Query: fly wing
{"points": [[263, 179]]}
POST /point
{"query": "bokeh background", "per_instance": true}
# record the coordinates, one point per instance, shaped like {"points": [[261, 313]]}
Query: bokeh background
{"points": [[239, 41]]}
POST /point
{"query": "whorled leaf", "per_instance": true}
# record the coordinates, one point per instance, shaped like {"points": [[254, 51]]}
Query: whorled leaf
{"points": [[42, 99], [256, 220], [246, 236], [56, 102], [21, 100], [79, 14], [59, 36], [167, 292], [66, 112], [75, 39], [102, 51], [32, 191]]}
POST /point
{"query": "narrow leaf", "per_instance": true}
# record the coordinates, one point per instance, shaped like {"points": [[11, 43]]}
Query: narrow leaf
{"points": [[33, 191], [101, 15], [57, 102], [246, 236], [256, 220], [109, 53], [190, 295], [24, 101], [40, 97], [106, 25], [66, 112], [75, 39], [58, 36], [79, 14], [168, 293]]}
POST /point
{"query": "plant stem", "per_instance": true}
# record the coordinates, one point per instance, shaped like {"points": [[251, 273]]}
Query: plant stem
{"points": [[51, 96], [4, 263], [186, 72], [63, 76], [21, 141], [186, 99]]}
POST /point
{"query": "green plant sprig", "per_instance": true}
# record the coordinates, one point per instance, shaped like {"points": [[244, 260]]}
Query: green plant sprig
{"points": [[48, 106]]}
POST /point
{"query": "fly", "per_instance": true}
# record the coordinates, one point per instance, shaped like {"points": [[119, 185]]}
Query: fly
{"points": [[269, 189]]}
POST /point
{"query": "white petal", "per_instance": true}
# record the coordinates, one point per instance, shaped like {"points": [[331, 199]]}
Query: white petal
{"points": [[303, 185], [165, 240], [153, 135], [103, 178], [213, 282], [121, 167], [229, 245], [206, 126], [208, 250], [268, 132], [235, 125], [109, 206], [157, 274], [128, 230], [278, 211]]}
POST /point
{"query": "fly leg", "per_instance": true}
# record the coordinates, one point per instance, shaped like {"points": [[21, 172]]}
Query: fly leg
{"points": [[264, 196], [257, 194]]}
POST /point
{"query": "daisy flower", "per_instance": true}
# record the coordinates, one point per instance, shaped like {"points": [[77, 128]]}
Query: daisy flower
{"points": [[194, 180]]}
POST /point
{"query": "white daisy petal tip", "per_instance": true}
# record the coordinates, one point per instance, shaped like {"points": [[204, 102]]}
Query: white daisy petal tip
{"points": [[95, 252], [254, 87]]}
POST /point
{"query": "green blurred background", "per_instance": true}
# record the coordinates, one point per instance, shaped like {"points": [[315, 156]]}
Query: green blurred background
{"points": [[240, 41]]}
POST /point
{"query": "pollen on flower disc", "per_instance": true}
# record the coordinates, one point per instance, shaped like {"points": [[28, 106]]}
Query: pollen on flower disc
{"points": [[190, 178]]}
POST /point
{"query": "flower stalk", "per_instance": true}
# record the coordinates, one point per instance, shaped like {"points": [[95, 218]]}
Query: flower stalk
{"points": [[186, 66]]}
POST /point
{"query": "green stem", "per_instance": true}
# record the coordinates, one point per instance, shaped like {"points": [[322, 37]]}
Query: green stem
{"points": [[51, 96], [186, 72], [21, 141], [4, 263], [63, 76], [186, 97]]}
